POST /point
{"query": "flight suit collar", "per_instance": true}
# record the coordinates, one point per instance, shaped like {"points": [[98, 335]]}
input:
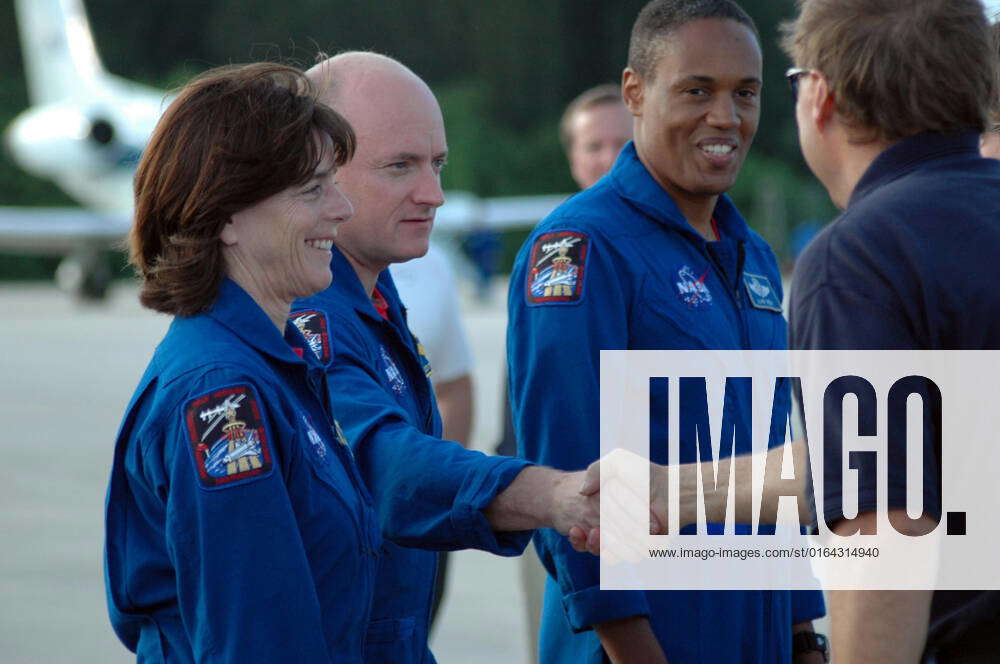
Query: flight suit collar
{"points": [[346, 281], [238, 312], [635, 183], [348, 284]]}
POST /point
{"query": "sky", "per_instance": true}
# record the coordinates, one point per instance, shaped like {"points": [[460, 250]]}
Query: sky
{"points": [[992, 7]]}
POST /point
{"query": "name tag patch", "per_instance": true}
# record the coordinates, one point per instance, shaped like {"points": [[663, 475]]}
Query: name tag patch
{"points": [[762, 294], [227, 437]]}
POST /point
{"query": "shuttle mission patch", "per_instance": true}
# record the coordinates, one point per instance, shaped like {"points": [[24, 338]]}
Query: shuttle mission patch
{"points": [[227, 437], [316, 330], [555, 273]]}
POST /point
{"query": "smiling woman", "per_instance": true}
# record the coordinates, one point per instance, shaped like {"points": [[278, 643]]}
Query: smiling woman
{"points": [[232, 140], [237, 527]]}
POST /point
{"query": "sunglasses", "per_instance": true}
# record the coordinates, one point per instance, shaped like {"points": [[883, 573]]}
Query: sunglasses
{"points": [[793, 76]]}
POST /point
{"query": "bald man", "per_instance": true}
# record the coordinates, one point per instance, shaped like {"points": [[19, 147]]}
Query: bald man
{"points": [[427, 492]]}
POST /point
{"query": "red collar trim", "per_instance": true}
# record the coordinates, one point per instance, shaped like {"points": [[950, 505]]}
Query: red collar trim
{"points": [[381, 306]]}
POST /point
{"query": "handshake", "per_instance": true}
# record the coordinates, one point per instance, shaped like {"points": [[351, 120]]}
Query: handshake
{"points": [[635, 488]]}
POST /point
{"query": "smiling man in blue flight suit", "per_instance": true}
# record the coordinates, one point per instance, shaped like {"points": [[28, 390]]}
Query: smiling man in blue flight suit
{"points": [[428, 493], [653, 256]]}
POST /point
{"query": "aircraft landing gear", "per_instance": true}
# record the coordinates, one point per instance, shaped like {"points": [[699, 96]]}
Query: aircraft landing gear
{"points": [[86, 276]]}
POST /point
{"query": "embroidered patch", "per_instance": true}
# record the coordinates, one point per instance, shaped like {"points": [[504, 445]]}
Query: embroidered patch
{"points": [[557, 266], [313, 326], [424, 362], [319, 447], [392, 372], [227, 437], [341, 438], [762, 294], [691, 288]]}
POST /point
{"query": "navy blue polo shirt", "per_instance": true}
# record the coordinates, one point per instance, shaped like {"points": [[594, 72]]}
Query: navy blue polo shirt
{"points": [[910, 264]]}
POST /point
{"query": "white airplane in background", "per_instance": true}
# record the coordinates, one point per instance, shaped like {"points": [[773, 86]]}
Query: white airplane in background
{"points": [[85, 131]]}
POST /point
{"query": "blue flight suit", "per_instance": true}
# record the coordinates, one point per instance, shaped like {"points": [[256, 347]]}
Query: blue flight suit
{"points": [[428, 493], [237, 526], [618, 267]]}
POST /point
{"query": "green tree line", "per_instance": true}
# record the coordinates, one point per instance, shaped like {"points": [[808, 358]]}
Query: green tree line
{"points": [[502, 70]]}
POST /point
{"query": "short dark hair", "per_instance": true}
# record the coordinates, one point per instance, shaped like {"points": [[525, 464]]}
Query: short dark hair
{"points": [[659, 18], [899, 67], [599, 95], [233, 137]]}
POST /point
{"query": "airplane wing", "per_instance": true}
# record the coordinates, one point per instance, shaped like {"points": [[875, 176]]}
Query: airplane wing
{"points": [[59, 231], [62, 230], [463, 212]]}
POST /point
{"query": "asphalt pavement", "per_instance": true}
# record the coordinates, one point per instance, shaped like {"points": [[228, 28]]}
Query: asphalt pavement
{"points": [[66, 375]]}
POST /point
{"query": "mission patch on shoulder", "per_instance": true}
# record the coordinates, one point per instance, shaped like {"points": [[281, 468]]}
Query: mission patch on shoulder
{"points": [[227, 437], [555, 273], [314, 327]]}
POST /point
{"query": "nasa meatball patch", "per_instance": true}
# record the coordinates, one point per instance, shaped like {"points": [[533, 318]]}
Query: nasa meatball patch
{"points": [[227, 437], [556, 268], [316, 330]]}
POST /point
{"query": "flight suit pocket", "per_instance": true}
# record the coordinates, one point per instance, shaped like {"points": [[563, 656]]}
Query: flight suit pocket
{"points": [[390, 641]]}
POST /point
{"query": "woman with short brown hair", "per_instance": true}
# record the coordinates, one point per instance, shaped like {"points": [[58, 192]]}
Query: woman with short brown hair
{"points": [[237, 527]]}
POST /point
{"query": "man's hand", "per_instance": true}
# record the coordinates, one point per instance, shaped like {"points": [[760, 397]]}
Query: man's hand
{"points": [[621, 478], [622, 474], [542, 497], [571, 508]]}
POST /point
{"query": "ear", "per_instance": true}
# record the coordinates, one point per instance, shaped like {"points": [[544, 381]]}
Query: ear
{"points": [[633, 90], [822, 108], [229, 234]]}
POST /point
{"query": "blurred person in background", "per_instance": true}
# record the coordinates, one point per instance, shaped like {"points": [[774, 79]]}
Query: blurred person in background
{"points": [[593, 129]]}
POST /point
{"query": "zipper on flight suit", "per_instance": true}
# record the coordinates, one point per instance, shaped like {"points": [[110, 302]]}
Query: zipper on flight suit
{"points": [[733, 288]]}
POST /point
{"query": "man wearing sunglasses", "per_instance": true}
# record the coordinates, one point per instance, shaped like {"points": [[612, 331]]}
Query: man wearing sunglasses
{"points": [[892, 97]]}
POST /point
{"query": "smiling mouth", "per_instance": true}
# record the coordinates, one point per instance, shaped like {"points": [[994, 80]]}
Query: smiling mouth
{"points": [[718, 149], [323, 245]]}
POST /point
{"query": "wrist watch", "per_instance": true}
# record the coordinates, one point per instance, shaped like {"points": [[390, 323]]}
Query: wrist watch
{"points": [[806, 642]]}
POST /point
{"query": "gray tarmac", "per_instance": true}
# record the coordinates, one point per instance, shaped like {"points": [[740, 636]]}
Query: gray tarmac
{"points": [[66, 375]]}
